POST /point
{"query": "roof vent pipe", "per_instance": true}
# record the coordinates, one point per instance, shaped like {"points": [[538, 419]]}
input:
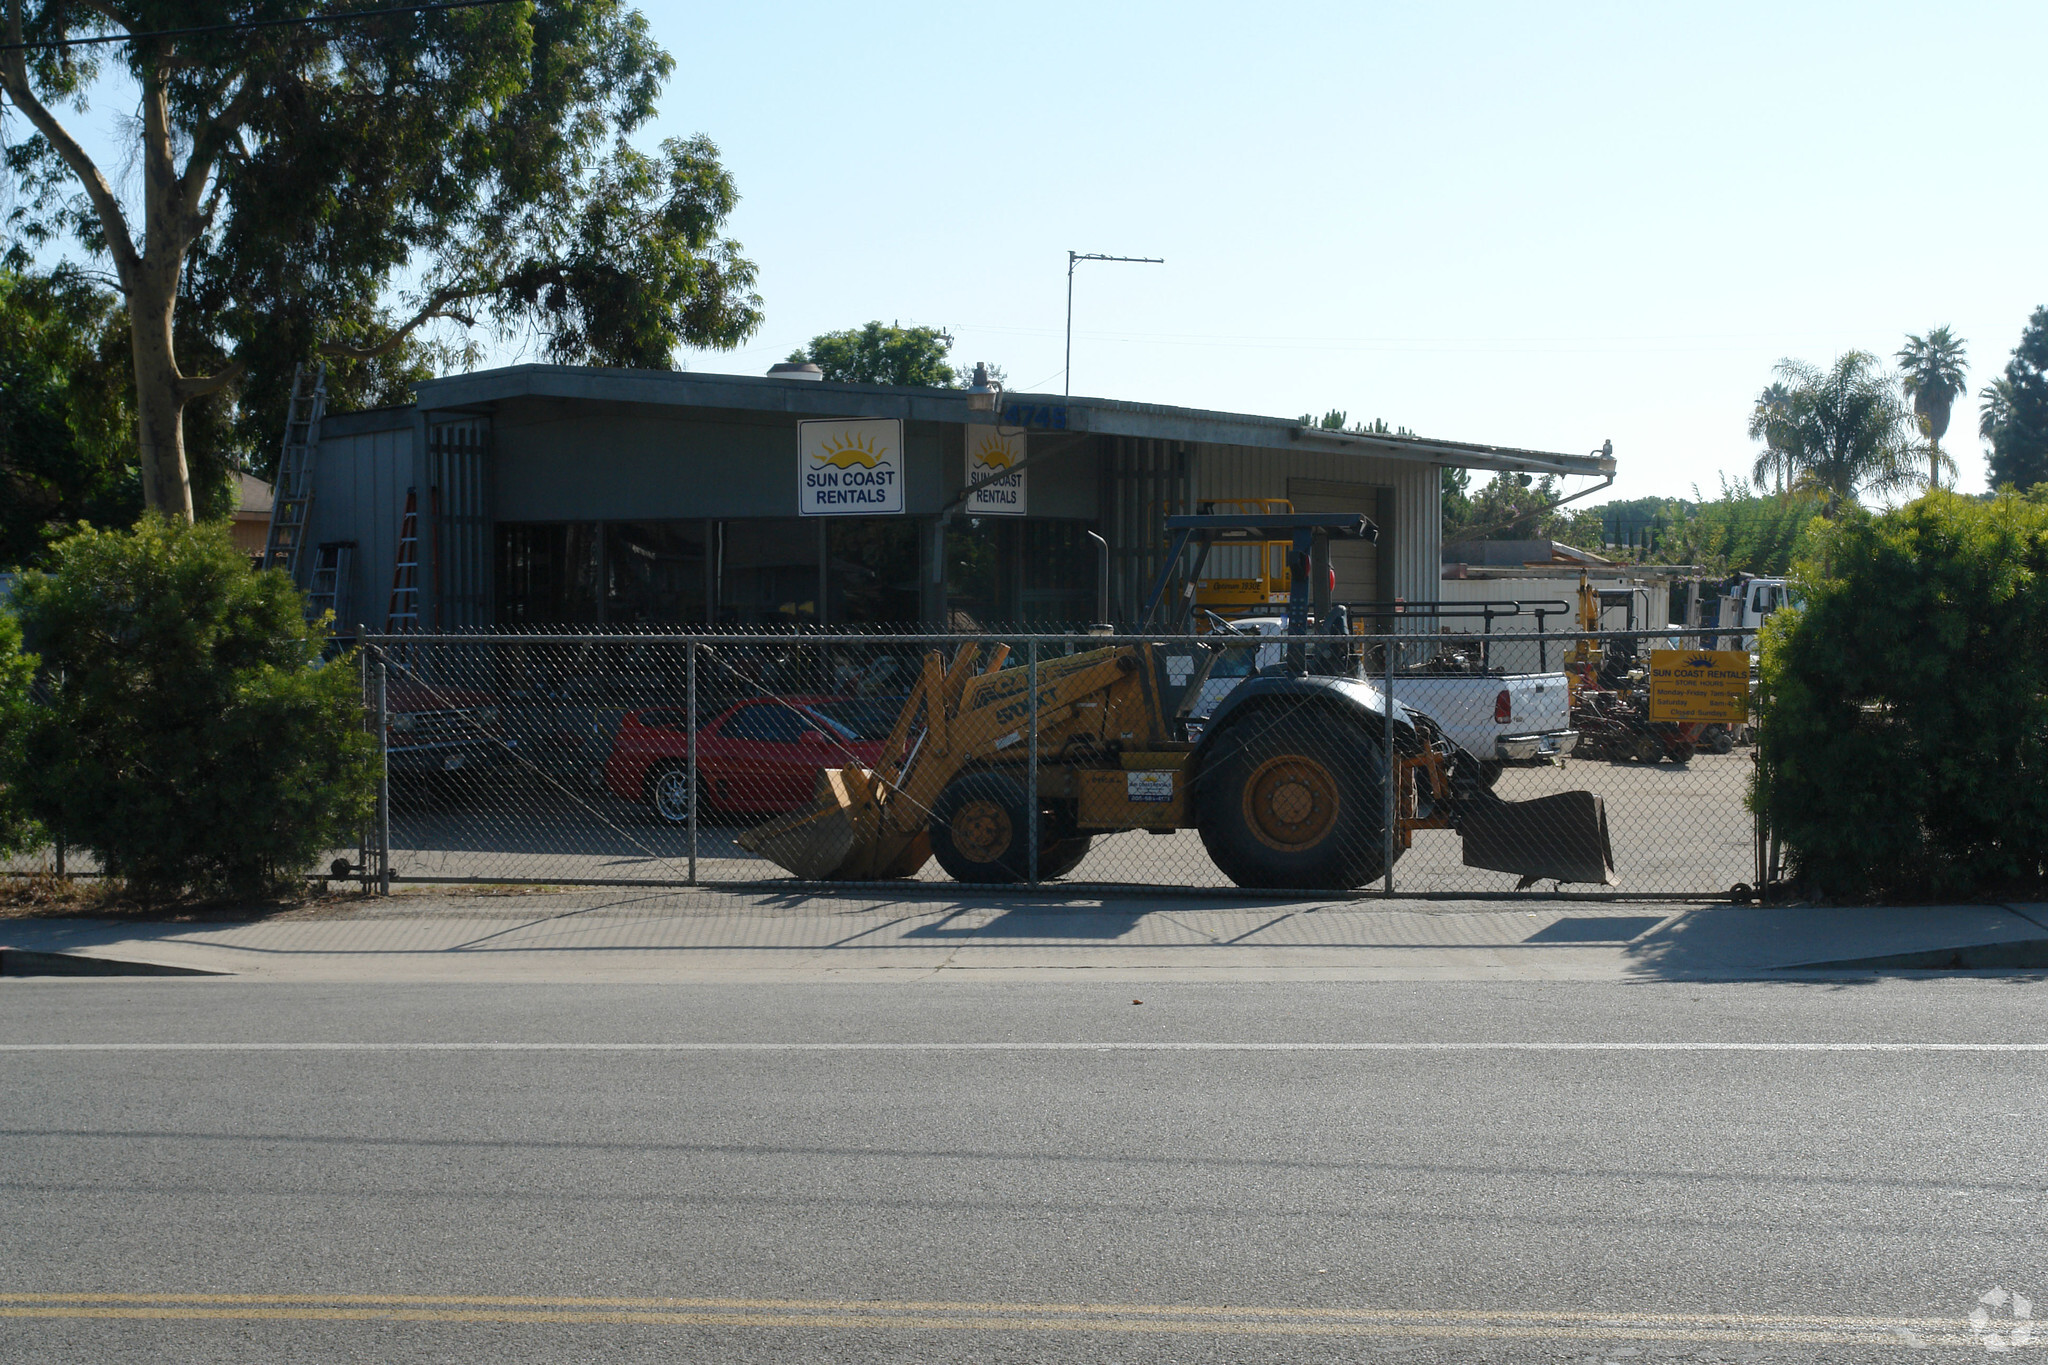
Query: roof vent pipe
{"points": [[793, 369]]}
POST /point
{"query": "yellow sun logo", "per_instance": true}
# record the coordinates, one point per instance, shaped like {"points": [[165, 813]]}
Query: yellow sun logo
{"points": [[847, 451], [1701, 661], [992, 453]]}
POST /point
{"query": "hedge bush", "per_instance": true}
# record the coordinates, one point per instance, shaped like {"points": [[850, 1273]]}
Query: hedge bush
{"points": [[190, 738], [17, 672], [1904, 736]]}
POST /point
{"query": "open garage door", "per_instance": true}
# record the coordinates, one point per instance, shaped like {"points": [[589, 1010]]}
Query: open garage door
{"points": [[1357, 563]]}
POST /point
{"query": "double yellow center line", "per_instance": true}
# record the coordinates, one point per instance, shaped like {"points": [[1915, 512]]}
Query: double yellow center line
{"points": [[884, 1314]]}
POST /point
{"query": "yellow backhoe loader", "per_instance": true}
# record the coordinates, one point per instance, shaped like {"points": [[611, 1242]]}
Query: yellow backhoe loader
{"points": [[1287, 785]]}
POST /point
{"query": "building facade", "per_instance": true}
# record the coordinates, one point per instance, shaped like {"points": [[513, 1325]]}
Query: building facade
{"points": [[551, 496]]}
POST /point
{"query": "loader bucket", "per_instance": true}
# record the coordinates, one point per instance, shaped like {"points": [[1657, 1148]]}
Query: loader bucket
{"points": [[817, 844], [1562, 837]]}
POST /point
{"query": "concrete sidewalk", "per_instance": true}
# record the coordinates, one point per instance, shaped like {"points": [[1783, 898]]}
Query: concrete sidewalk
{"points": [[642, 936]]}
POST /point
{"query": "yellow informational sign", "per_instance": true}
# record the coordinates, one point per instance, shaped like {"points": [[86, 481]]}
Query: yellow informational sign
{"points": [[1705, 685]]}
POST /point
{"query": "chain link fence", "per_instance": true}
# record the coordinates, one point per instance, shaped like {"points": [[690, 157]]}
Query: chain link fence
{"points": [[764, 762]]}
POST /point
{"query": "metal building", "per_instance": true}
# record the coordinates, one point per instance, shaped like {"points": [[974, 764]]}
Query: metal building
{"points": [[549, 495]]}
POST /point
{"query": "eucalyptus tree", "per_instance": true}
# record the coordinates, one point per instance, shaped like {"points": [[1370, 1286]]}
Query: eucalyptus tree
{"points": [[1845, 430], [328, 185], [1931, 370]]}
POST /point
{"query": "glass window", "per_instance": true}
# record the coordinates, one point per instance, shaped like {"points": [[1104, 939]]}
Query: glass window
{"points": [[665, 719], [654, 572], [767, 571], [871, 571], [867, 718], [1235, 663], [1059, 567], [548, 573], [980, 571], [767, 721]]}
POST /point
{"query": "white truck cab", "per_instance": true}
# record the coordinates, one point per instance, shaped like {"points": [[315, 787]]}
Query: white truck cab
{"points": [[1497, 719]]}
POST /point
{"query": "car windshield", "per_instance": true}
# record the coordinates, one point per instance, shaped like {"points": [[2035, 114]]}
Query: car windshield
{"points": [[864, 718]]}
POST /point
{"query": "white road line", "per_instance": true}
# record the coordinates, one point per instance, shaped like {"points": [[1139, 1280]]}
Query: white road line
{"points": [[1025, 1047]]}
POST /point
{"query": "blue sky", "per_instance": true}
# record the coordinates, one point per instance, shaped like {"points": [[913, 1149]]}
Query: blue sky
{"points": [[1540, 226], [1532, 225]]}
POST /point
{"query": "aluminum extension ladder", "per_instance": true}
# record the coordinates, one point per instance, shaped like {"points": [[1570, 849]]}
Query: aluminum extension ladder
{"points": [[403, 614], [333, 563], [291, 499]]}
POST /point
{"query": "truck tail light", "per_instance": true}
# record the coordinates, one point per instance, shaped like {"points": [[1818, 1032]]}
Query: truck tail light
{"points": [[1503, 708]]}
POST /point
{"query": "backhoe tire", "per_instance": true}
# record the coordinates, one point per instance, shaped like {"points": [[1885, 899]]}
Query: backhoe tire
{"points": [[979, 829], [1294, 800]]}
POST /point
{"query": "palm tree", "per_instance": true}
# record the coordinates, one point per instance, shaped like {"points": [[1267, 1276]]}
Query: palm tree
{"points": [[1844, 430], [1932, 368], [1768, 423]]}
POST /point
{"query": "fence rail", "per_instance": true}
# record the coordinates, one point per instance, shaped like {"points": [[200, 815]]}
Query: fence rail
{"points": [[630, 759]]}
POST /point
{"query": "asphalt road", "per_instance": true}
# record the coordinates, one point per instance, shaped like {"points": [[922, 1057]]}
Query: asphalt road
{"points": [[1016, 1172], [1676, 830]]}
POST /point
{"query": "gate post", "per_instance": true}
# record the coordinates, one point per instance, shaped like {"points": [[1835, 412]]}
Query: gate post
{"points": [[1388, 804], [1031, 765], [690, 720], [383, 783]]}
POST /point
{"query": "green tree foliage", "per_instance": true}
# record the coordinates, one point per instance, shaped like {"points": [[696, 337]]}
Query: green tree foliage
{"points": [[910, 357], [1839, 431], [1931, 370], [67, 452], [1740, 532], [190, 740], [330, 190], [1456, 485], [1904, 742], [2014, 418], [17, 672]]}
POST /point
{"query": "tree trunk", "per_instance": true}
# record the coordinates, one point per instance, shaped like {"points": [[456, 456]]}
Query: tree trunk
{"points": [[159, 408]]}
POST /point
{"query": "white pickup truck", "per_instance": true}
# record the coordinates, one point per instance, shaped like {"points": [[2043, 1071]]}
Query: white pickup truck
{"points": [[1499, 720]]}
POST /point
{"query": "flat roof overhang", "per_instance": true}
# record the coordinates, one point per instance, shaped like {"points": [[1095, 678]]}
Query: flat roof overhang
{"points": [[485, 389]]}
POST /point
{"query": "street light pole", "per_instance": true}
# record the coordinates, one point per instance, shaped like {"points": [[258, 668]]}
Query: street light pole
{"points": [[1075, 258]]}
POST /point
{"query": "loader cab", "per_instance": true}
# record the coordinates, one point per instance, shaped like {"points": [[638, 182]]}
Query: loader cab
{"points": [[1243, 577], [1307, 538]]}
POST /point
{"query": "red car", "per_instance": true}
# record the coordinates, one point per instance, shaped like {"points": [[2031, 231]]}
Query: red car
{"points": [[759, 757]]}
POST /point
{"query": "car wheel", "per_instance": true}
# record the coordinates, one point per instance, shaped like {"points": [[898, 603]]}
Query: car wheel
{"points": [[667, 789]]}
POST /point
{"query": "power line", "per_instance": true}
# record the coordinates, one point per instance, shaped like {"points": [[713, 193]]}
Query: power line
{"points": [[246, 26]]}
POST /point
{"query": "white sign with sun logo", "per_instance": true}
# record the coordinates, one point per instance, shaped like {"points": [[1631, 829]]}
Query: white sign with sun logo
{"points": [[850, 468], [990, 457]]}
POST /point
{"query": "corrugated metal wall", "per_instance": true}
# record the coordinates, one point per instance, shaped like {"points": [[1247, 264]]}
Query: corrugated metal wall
{"points": [[359, 484], [1413, 539], [459, 552]]}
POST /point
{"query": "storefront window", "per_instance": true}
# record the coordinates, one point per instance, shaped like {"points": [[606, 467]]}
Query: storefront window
{"points": [[549, 573], [871, 571], [1034, 572], [654, 572], [981, 560], [767, 572], [1059, 569]]}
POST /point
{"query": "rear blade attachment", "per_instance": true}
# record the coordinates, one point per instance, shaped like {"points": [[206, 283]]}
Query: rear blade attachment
{"points": [[1562, 838]]}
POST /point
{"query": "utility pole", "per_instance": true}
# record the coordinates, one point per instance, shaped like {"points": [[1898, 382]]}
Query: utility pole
{"points": [[1074, 258]]}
